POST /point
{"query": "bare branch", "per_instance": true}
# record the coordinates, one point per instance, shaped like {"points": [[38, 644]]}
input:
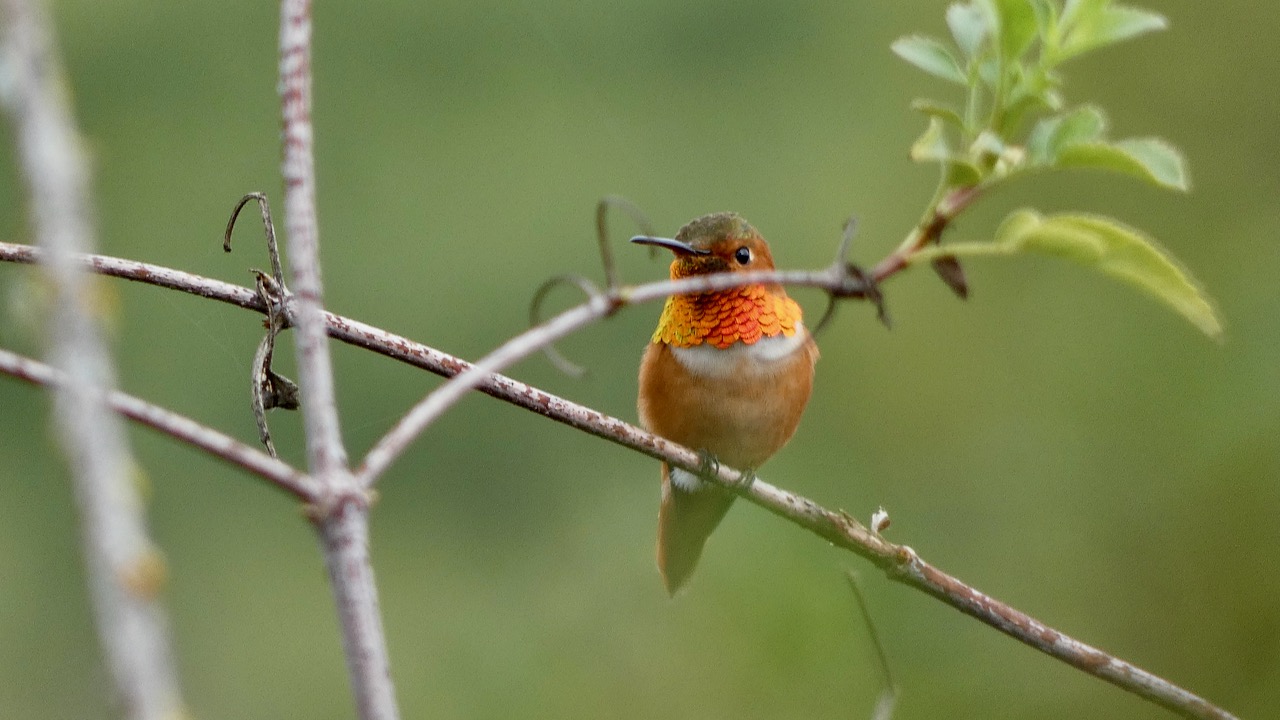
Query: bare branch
{"points": [[126, 572], [177, 426], [602, 232], [327, 457], [901, 563], [391, 445], [342, 516], [145, 273], [840, 280]]}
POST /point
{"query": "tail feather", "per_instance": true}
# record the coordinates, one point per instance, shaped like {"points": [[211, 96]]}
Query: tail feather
{"points": [[685, 520]]}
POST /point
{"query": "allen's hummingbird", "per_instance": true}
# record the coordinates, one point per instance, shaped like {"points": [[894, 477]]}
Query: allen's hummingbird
{"points": [[727, 373]]}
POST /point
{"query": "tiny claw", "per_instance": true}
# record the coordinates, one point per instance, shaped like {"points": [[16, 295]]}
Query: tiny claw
{"points": [[745, 480], [709, 464]]}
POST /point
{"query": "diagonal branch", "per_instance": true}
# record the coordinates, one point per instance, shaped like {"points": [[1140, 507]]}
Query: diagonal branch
{"points": [[393, 444], [899, 562], [179, 427]]}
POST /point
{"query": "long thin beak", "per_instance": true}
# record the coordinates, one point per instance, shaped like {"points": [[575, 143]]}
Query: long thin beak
{"points": [[675, 246]]}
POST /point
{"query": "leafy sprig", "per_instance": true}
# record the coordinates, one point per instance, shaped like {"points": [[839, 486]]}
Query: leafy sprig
{"points": [[1014, 120]]}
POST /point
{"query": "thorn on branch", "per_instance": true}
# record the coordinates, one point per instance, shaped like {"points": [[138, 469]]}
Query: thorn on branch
{"points": [[846, 241], [860, 283], [949, 269]]}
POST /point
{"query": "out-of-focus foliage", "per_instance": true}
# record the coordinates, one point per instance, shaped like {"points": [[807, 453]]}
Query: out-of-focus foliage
{"points": [[1012, 50], [1056, 440]]}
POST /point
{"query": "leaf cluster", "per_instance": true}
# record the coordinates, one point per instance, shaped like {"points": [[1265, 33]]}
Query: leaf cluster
{"points": [[1007, 55]]}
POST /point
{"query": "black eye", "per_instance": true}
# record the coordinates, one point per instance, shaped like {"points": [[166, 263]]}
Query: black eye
{"points": [[742, 255]]}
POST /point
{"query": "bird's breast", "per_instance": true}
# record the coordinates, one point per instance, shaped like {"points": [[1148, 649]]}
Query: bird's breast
{"points": [[740, 403]]}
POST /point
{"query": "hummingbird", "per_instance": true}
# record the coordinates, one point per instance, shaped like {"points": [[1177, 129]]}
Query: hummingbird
{"points": [[726, 373]]}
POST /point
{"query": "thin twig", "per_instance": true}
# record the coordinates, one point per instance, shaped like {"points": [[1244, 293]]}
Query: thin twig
{"points": [[342, 516], [176, 426], [268, 228], [888, 698], [125, 571], [562, 363], [268, 388], [602, 232], [900, 562], [396, 440], [840, 280], [327, 458], [145, 273]]}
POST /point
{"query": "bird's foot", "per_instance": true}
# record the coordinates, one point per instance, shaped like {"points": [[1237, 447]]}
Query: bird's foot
{"points": [[709, 464], [710, 467]]}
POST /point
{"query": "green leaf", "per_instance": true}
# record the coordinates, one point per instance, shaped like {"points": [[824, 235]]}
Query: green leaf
{"points": [[1054, 134], [1104, 245], [989, 71], [1033, 90], [1109, 25], [1118, 251], [1046, 16], [1017, 23], [942, 111], [962, 173], [1076, 11], [932, 145], [1161, 159], [988, 144], [1150, 159], [970, 25], [931, 56]]}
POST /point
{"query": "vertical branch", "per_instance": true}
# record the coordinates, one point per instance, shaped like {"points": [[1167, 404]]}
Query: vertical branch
{"points": [[343, 515], [325, 453], [125, 571]]}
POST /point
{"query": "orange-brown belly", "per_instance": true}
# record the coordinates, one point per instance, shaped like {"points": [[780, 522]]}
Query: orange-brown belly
{"points": [[736, 406]]}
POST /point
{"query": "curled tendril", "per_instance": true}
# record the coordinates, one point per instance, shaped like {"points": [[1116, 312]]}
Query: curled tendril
{"points": [[588, 288], [277, 272], [268, 388], [602, 232]]}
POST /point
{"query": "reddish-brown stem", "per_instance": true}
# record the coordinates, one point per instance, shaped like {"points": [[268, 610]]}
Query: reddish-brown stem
{"points": [[928, 232]]}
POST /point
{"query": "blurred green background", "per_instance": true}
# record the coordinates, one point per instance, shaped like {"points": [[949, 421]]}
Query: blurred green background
{"points": [[1060, 441]]}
